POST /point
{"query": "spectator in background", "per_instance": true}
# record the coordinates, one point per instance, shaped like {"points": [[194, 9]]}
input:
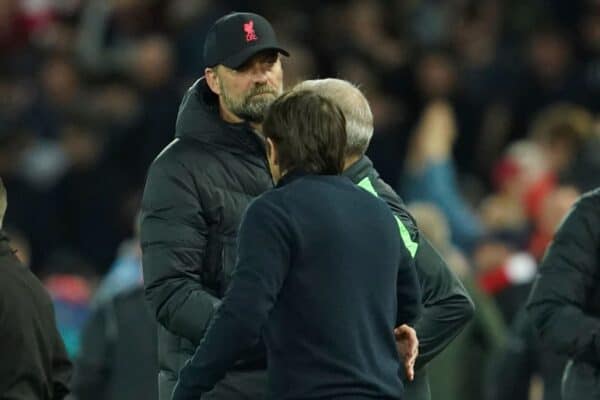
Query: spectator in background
{"points": [[118, 355], [589, 31], [552, 210], [552, 75], [463, 371], [569, 139], [109, 31], [34, 361], [564, 301], [430, 174], [70, 281], [188, 21], [561, 130], [126, 270], [85, 197], [197, 189], [522, 365], [13, 29], [483, 70], [63, 96], [504, 270], [152, 72], [520, 174]]}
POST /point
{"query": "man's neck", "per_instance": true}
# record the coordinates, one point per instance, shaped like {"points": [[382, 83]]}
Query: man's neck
{"points": [[231, 118], [350, 160], [228, 116], [257, 127]]}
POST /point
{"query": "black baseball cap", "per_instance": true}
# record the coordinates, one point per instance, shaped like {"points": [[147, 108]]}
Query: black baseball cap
{"points": [[236, 37]]}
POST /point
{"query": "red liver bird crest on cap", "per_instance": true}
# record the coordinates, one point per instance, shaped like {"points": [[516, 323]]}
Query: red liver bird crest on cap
{"points": [[249, 29]]}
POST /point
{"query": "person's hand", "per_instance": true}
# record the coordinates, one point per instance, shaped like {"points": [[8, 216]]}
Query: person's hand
{"points": [[408, 348]]}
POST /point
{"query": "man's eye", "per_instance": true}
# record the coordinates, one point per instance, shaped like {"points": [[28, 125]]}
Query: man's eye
{"points": [[242, 68], [270, 59]]}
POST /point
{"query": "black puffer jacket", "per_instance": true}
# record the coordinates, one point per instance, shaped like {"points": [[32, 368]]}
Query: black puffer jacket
{"points": [[196, 192], [565, 300]]}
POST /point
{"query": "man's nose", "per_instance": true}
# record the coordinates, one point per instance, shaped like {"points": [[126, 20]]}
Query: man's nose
{"points": [[259, 73]]}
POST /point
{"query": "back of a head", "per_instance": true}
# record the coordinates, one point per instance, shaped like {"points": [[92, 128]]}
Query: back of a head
{"points": [[354, 105], [309, 132], [3, 201]]}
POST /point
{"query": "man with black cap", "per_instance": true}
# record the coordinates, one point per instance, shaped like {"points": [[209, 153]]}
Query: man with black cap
{"points": [[196, 191]]}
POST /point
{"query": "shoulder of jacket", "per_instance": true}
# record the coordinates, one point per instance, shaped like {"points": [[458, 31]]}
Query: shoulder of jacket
{"points": [[270, 198], [386, 192], [394, 201], [588, 205], [591, 197], [14, 277], [185, 152]]}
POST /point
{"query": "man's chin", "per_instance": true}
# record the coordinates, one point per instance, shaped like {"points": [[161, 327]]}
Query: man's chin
{"points": [[264, 95]]}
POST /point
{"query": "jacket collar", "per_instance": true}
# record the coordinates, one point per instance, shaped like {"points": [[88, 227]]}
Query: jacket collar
{"points": [[291, 176], [360, 170], [198, 118]]}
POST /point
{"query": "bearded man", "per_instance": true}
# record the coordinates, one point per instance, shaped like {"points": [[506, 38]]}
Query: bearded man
{"points": [[197, 190]]}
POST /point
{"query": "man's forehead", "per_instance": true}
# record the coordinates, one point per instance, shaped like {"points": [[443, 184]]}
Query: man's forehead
{"points": [[258, 57]]}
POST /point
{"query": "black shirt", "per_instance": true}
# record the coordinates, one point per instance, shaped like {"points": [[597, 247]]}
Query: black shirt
{"points": [[322, 276]]}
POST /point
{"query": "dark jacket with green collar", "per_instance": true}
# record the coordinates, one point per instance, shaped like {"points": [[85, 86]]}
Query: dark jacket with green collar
{"points": [[446, 305], [196, 192]]}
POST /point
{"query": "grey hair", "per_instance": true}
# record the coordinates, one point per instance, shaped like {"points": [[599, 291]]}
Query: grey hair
{"points": [[354, 105]]}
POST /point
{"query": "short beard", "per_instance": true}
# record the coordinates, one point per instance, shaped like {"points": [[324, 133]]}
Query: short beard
{"points": [[251, 108]]}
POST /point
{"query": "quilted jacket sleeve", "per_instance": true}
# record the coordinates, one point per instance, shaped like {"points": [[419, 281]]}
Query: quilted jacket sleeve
{"points": [[174, 238]]}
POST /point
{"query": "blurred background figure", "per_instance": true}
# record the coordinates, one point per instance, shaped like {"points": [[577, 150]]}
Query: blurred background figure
{"points": [[70, 283], [35, 363], [481, 340], [486, 110], [117, 358]]}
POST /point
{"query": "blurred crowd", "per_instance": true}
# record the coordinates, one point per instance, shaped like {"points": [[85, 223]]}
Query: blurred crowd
{"points": [[485, 122]]}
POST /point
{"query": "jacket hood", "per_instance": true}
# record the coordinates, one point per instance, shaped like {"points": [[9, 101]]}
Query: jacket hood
{"points": [[198, 118], [198, 114]]}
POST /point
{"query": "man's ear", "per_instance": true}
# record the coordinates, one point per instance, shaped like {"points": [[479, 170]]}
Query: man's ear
{"points": [[272, 152], [212, 80]]}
